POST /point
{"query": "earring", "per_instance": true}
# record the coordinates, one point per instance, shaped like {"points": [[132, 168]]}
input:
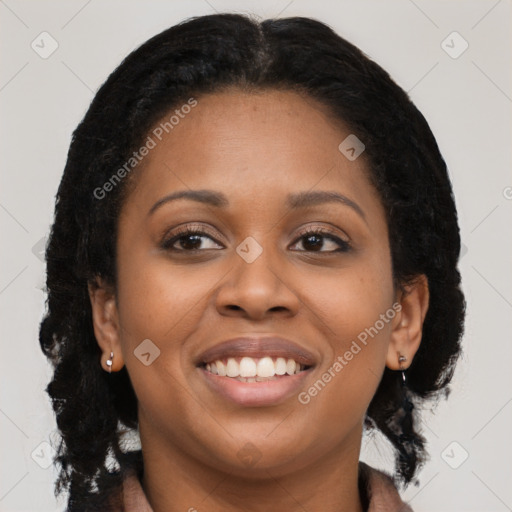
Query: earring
{"points": [[109, 362], [402, 359], [401, 424], [407, 405]]}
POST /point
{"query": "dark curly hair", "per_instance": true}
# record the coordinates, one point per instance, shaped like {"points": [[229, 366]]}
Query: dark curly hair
{"points": [[194, 58]]}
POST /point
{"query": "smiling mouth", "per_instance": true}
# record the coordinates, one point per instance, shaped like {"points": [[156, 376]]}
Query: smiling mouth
{"points": [[255, 369]]}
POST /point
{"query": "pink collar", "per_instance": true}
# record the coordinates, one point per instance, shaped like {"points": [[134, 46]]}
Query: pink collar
{"points": [[382, 494]]}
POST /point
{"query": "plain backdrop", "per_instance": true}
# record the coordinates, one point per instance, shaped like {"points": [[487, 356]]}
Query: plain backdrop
{"points": [[465, 94]]}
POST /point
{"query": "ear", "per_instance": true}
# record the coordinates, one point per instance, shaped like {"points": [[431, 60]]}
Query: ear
{"points": [[105, 323], [408, 323]]}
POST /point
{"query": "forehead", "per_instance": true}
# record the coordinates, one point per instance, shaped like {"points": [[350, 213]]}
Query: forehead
{"points": [[259, 144], [266, 126]]}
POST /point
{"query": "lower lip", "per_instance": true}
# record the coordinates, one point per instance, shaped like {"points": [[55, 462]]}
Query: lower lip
{"points": [[256, 394]]}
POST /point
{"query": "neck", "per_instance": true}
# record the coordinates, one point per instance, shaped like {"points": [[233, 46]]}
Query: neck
{"points": [[175, 481]]}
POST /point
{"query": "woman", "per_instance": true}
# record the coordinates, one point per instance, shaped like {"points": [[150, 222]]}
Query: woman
{"points": [[254, 257]]}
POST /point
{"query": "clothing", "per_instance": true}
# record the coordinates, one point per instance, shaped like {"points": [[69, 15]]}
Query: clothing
{"points": [[380, 491]]}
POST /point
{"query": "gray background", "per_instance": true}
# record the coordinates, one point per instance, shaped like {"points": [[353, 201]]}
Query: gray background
{"points": [[467, 101]]}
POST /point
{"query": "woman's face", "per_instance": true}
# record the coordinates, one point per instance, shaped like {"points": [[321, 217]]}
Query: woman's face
{"points": [[277, 256]]}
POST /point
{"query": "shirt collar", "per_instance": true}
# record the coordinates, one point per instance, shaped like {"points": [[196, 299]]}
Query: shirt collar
{"points": [[381, 493]]}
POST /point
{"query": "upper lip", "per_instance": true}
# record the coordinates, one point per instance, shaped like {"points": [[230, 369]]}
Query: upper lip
{"points": [[272, 346]]}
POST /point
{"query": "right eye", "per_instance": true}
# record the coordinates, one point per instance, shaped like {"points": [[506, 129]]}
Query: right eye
{"points": [[190, 239]]}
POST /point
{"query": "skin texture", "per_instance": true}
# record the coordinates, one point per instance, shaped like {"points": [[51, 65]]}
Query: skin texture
{"points": [[256, 148]]}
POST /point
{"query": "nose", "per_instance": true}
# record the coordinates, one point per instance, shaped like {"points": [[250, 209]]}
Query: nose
{"points": [[258, 289]]}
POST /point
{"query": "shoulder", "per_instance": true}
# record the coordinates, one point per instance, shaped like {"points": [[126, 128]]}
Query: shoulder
{"points": [[134, 497], [381, 493]]}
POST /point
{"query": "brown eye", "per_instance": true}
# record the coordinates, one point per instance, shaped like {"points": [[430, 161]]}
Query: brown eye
{"points": [[318, 240], [190, 239]]}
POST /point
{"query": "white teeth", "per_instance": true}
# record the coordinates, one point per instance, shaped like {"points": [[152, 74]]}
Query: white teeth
{"points": [[291, 366], [266, 367], [232, 368], [280, 366], [221, 368], [248, 367], [254, 369]]}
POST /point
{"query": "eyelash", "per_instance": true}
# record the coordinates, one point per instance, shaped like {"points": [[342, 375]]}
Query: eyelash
{"points": [[167, 244]]}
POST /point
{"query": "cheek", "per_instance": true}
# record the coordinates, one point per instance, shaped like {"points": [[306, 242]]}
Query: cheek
{"points": [[162, 305], [356, 308], [158, 300], [350, 300]]}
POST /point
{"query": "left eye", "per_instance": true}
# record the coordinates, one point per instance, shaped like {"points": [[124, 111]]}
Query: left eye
{"points": [[315, 241]]}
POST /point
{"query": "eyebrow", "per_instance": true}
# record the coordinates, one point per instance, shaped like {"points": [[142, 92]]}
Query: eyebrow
{"points": [[294, 201], [210, 197], [316, 197]]}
